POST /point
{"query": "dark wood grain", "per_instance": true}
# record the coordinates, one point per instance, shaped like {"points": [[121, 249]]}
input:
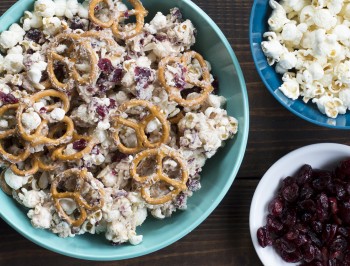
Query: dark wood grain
{"points": [[223, 239]]}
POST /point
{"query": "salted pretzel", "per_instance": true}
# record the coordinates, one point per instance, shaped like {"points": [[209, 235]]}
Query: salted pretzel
{"points": [[80, 177], [185, 60], [3, 185], [176, 119], [138, 10], [70, 58], [140, 127], [11, 133], [38, 163], [38, 137], [59, 155], [159, 176]]}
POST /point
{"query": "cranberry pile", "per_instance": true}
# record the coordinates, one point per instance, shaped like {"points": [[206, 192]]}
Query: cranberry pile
{"points": [[309, 218]]}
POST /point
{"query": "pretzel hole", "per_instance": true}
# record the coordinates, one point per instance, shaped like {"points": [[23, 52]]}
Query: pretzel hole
{"points": [[153, 130], [13, 145], [8, 119], [190, 93], [128, 137], [103, 12], [160, 189], [70, 184], [61, 72], [25, 165], [83, 63], [175, 75], [194, 71], [147, 166], [69, 206], [171, 168]]}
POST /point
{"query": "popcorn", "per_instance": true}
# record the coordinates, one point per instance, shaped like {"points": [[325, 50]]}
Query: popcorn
{"points": [[51, 26], [312, 40], [31, 120], [11, 37], [72, 8], [278, 18], [57, 114], [45, 8], [14, 181], [60, 7]]}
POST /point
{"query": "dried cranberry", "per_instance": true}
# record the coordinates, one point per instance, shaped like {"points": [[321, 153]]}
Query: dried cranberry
{"points": [[105, 65], [322, 207], [112, 103], [316, 226], [334, 205], [340, 191], [118, 156], [291, 192], [308, 251], [289, 217], [314, 239], [118, 75], [304, 174], [264, 238], [142, 73], [339, 244], [292, 234], [8, 98], [343, 170], [273, 224], [180, 82], [344, 212], [328, 233], [102, 111], [276, 207], [160, 37], [176, 13], [343, 231], [322, 181], [80, 145], [306, 191], [284, 245], [35, 35], [308, 205], [291, 257], [300, 240], [181, 201]]}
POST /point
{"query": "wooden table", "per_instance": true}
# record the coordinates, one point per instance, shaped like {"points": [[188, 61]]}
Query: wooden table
{"points": [[223, 238]]}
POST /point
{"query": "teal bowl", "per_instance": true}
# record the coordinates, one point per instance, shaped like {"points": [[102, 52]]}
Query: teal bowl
{"points": [[218, 173]]}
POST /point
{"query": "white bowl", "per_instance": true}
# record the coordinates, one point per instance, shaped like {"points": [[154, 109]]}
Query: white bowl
{"points": [[321, 156]]}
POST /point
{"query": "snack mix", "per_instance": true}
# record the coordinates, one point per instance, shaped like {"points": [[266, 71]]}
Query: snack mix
{"points": [[308, 43], [104, 121]]}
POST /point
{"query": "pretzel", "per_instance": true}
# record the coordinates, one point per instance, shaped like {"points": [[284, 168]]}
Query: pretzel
{"points": [[204, 84], [69, 59], [3, 185], [176, 119], [38, 137], [34, 168], [58, 153], [140, 127], [80, 176], [139, 11], [159, 175]]}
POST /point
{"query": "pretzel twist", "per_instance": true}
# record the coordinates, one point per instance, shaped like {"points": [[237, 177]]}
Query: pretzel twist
{"points": [[81, 176], [159, 176], [204, 84], [69, 59], [138, 11], [38, 137], [140, 127]]}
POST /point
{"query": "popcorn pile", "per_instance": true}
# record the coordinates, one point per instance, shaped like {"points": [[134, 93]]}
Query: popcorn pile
{"points": [[308, 43]]}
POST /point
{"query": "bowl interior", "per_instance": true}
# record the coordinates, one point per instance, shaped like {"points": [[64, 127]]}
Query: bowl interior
{"points": [[258, 25], [321, 156], [220, 170]]}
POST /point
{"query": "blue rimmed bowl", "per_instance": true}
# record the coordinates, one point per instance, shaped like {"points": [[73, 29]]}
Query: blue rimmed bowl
{"points": [[260, 13], [218, 173]]}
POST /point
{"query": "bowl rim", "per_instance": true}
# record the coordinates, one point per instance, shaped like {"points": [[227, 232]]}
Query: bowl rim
{"points": [[256, 201], [241, 151], [268, 86]]}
